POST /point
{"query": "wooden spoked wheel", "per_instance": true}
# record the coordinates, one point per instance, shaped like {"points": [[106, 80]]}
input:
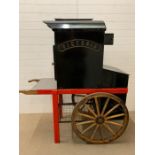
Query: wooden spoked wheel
{"points": [[100, 118]]}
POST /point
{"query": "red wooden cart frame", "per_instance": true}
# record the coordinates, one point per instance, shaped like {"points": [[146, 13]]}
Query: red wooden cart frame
{"points": [[57, 100]]}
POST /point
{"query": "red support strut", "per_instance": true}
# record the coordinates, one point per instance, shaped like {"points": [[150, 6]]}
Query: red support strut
{"points": [[56, 118], [60, 106]]}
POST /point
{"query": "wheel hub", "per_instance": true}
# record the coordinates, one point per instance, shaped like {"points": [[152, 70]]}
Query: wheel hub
{"points": [[100, 120]]}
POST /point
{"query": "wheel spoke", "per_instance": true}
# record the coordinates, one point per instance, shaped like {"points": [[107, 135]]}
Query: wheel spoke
{"points": [[91, 110], [115, 116], [85, 115], [114, 123], [112, 109], [97, 106], [93, 134], [101, 133], [105, 106], [88, 128], [85, 122], [109, 129]]}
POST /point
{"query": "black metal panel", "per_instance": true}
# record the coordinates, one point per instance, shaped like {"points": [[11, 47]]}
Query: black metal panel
{"points": [[96, 35], [78, 58], [112, 78]]}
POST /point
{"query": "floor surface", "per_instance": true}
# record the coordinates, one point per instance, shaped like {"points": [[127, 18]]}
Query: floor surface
{"points": [[36, 138]]}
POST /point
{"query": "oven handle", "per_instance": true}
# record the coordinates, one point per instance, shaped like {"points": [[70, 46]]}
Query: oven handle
{"points": [[108, 39]]}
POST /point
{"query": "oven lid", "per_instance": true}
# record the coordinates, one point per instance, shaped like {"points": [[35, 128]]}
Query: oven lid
{"points": [[75, 24]]}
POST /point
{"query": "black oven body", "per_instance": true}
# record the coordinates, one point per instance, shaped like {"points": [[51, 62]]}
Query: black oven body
{"points": [[78, 55]]}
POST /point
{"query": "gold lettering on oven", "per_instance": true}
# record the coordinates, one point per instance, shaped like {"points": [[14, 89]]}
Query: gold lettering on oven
{"points": [[66, 45], [79, 43], [87, 43], [72, 43], [82, 42]]}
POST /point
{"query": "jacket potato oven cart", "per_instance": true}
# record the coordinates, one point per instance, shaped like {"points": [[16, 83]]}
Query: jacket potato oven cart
{"points": [[101, 115]]}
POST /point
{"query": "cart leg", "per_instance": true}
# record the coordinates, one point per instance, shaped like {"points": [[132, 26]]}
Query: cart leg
{"points": [[56, 119], [60, 106]]}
